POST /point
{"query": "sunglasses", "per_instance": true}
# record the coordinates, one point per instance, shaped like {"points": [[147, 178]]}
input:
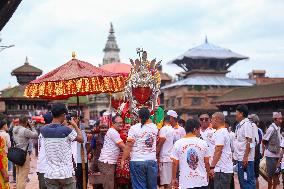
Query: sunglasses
{"points": [[204, 119], [119, 123]]}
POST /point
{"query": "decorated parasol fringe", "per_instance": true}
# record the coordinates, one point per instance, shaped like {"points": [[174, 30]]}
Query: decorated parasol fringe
{"points": [[81, 86]]}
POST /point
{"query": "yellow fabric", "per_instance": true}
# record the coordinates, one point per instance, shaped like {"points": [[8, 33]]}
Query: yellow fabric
{"points": [[4, 162], [160, 124]]}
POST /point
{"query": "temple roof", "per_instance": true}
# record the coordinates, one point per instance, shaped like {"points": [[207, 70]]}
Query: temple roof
{"points": [[207, 56], [13, 92], [26, 69], [165, 76], [7, 9], [254, 94], [210, 51], [209, 80]]}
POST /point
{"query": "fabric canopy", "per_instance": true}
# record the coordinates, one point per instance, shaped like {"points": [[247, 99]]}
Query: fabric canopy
{"points": [[117, 67], [75, 78]]}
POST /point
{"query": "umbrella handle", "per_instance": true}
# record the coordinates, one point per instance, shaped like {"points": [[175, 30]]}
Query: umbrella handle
{"points": [[83, 167]]}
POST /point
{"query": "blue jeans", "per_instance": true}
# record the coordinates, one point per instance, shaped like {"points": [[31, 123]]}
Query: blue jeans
{"points": [[10, 166], [249, 183], [144, 174]]}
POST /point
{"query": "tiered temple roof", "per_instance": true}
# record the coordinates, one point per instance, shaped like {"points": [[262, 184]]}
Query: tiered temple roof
{"points": [[207, 57], [26, 73]]}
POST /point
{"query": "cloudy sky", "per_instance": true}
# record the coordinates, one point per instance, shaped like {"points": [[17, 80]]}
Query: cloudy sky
{"points": [[47, 31]]}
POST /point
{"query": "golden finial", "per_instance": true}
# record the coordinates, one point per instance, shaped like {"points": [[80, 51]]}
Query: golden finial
{"points": [[73, 55]]}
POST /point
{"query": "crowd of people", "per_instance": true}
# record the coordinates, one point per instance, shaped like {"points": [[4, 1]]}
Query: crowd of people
{"points": [[202, 152]]}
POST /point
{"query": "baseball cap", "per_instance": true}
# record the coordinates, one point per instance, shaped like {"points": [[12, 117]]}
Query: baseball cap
{"points": [[172, 113], [48, 118], [276, 115]]}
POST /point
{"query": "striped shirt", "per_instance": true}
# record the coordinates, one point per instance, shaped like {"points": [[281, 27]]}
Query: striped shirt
{"points": [[57, 141]]}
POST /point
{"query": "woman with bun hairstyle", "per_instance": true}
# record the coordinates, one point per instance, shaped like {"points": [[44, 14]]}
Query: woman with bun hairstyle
{"points": [[141, 146]]}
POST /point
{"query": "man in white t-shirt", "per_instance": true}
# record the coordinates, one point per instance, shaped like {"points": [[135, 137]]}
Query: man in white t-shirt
{"points": [[222, 164], [244, 148], [191, 155], [206, 134], [110, 152], [272, 140], [179, 131], [164, 151]]}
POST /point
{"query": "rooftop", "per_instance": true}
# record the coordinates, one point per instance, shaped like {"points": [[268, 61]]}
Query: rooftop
{"points": [[26, 69], [13, 92], [210, 51], [207, 56], [254, 94], [212, 80]]}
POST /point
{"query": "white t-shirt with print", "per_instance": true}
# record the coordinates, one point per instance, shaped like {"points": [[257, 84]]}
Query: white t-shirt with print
{"points": [[207, 136], [225, 163], [145, 139], [191, 153], [166, 132], [243, 130], [179, 132], [267, 136], [282, 146], [110, 151]]}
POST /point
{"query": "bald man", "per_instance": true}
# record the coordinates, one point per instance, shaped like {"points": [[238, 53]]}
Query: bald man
{"points": [[222, 164]]}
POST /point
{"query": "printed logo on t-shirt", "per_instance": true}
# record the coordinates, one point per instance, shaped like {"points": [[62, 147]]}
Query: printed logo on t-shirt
{"points": [[192, 158], [149, 141]]}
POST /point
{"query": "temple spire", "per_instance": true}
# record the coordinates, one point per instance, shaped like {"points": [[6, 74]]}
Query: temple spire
{"points": [[111, 49], [27, 61], [111, 30]]}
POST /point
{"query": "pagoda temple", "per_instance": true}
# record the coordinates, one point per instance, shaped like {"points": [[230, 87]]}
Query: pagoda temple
{"points": [[12, 99], [203, 79]]}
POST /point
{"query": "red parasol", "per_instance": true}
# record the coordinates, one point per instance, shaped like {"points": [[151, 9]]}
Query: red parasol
{"points": [[75, 78], [118, 67]]}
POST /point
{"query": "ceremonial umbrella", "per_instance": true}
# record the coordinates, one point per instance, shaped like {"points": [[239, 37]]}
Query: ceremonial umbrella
{"points": [[75, 78], [122, 69], [118, 67]]}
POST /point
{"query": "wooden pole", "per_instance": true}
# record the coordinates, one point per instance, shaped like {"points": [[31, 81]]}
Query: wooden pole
{"points": [[83, 166], [82, 151]]}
